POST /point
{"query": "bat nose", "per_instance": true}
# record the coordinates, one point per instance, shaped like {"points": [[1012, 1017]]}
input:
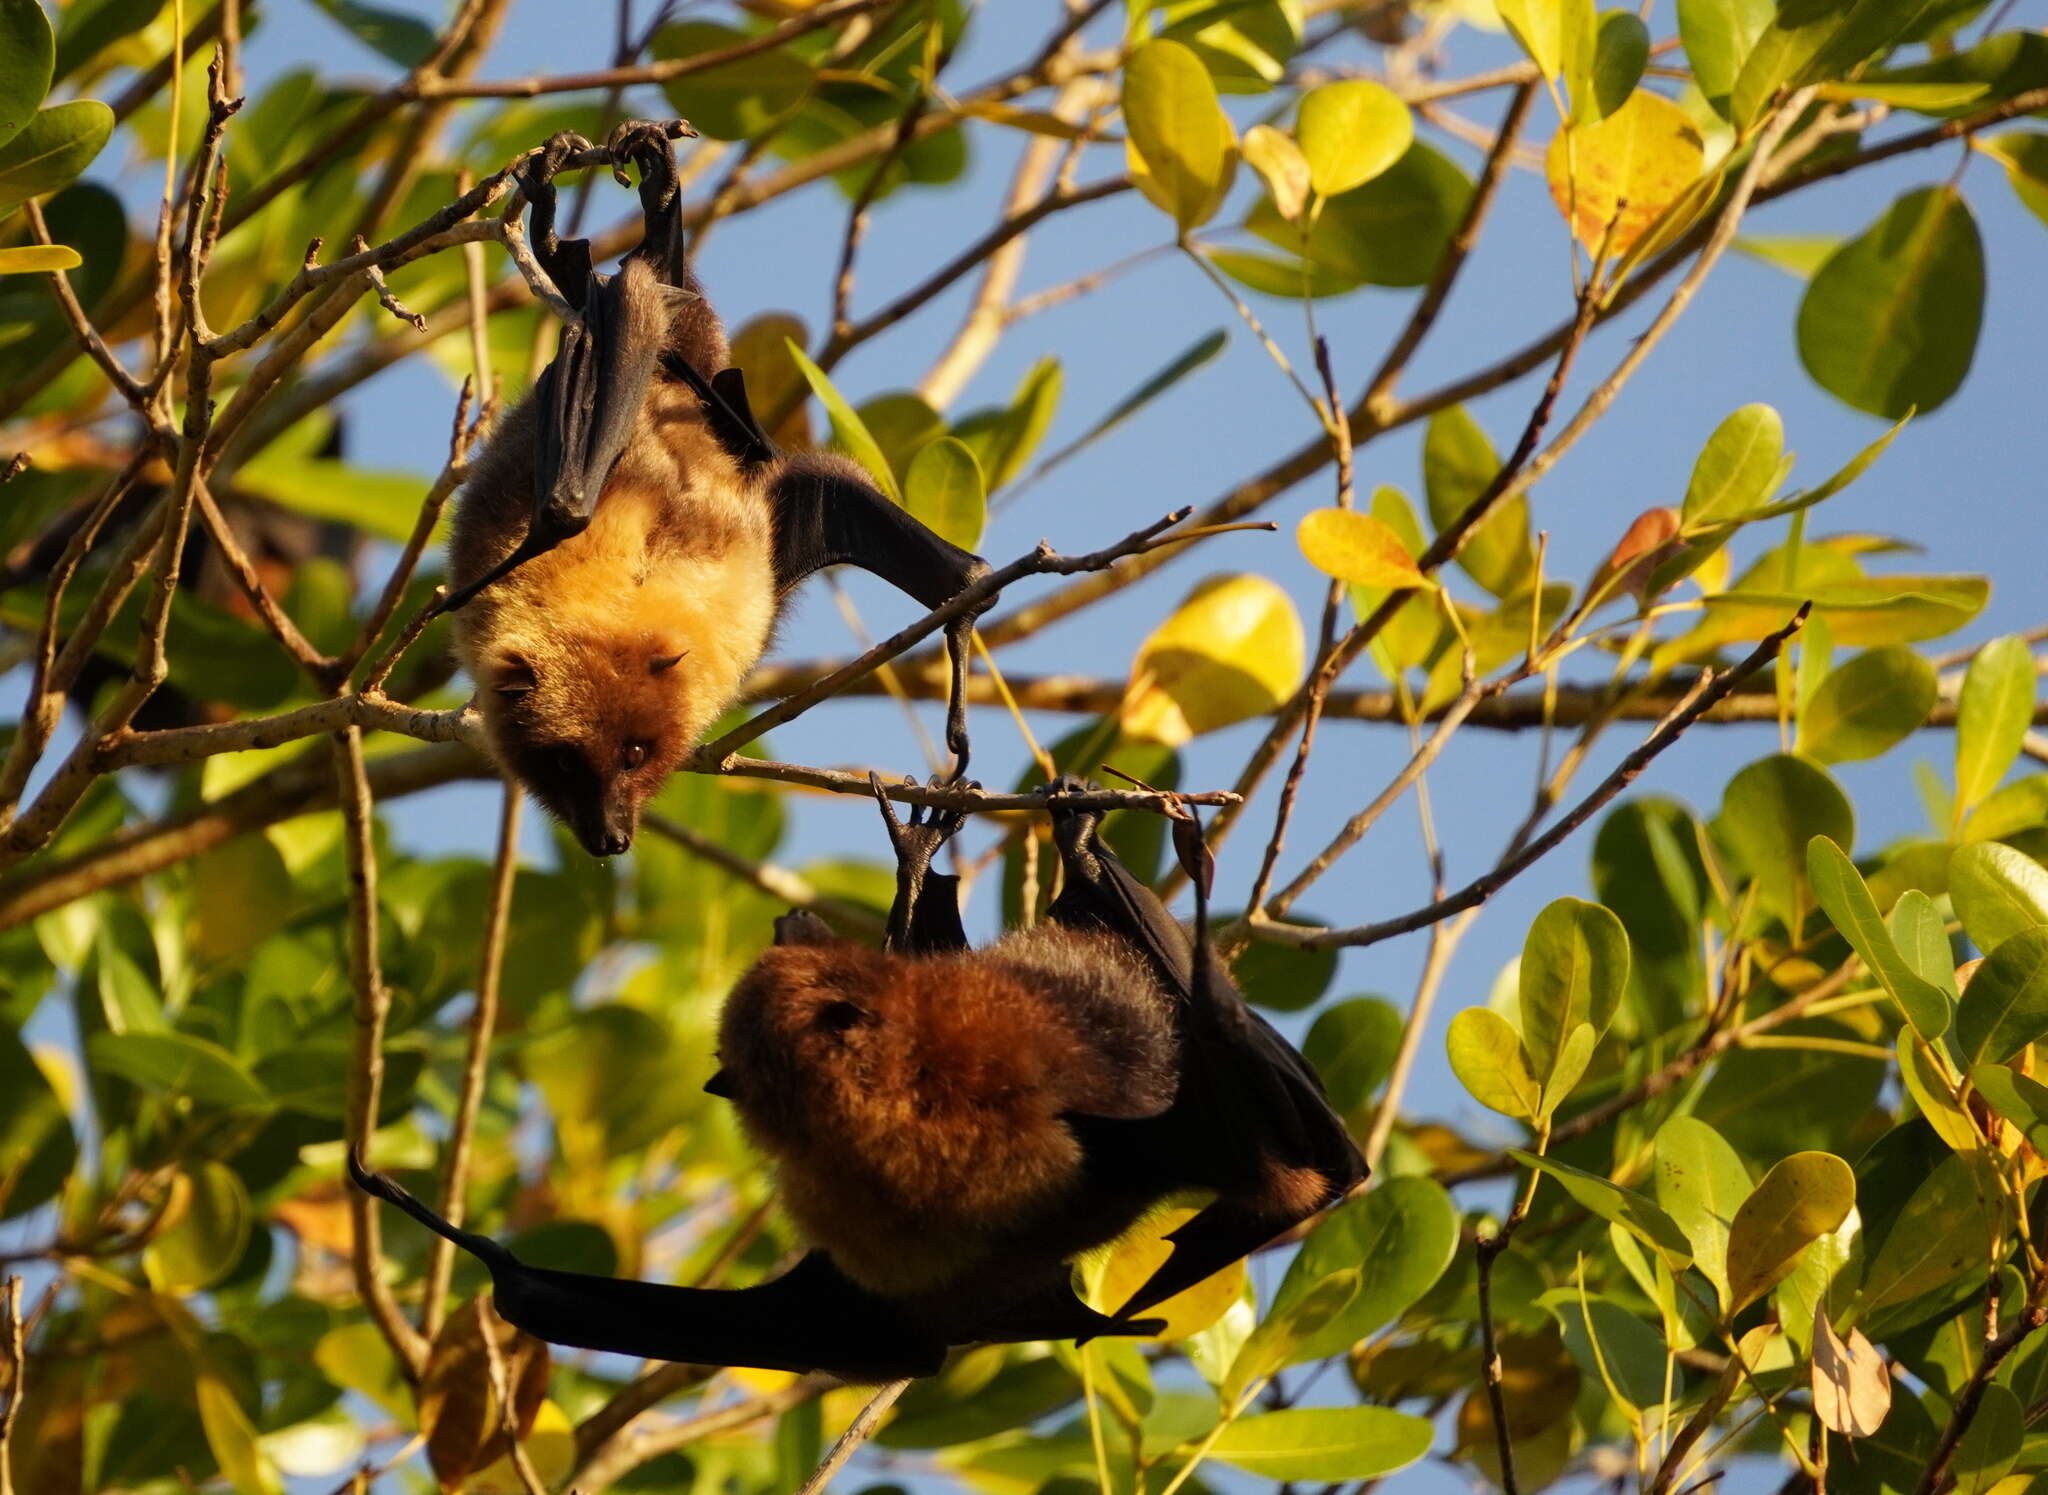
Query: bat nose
{"points": [[615, 843]]}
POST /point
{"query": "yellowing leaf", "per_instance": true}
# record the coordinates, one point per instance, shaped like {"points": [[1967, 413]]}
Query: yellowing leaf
{"points": [[1358, 548], [1486, 1055], [1275, 157], [1178, 132], [1799, 1201], [1351, 132], [1232, 650], [550, 1447], [1129, 1263], [25, 258], [1640, 160], [232, 1437]]}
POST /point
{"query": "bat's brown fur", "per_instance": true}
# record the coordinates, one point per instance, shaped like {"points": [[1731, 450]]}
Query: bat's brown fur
{"points": [[915, 1106], [575, 654]]}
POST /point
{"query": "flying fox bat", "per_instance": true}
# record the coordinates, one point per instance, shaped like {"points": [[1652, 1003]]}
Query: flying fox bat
{"points": [[950, 1126], [630, 538]]}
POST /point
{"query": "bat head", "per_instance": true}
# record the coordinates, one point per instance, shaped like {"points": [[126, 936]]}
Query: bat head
{"points": [[592, 727], [806, 1029]]}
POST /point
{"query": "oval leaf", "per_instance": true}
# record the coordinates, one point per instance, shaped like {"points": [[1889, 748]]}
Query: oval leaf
{"points": [[1737, 468], [1280, 163], [1324, 1443], [52, 149], [1992, 716], [1625, 169], [1868, 705], [25, 259], [944, 490], [1800, 1200], [1177, 128], [1997, 892], [1351, 132], [1486, 1055], [28, 51], [1889, 324], [1233, 649], [1944, 1230], [1401, 1236], [205, 1228], [1769, 812], [2006, 1005], [1574, 970], [1616, 1205], [1846, 898], [1357, 548], [1701, 1183]]}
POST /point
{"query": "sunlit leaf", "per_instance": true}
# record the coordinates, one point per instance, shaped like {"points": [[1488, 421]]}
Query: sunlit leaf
{"points": [[1113, 1276], [1998, 892], [25, 259], [51, 149], [1231, 650], [1889, 324], [2024, 155], [1701, 1183], [1357, 548], [943, 488], [232, 1437], [1486, 1055], [737, 100], [1841, 891], [1390, 232], [1281, 165], [1738, 468], [1800, 1200], [1400, 1236], [204, 1229], [27, 52], [174, 1064], [1852, 1384], [1458, 462], [2006, 1005], [1177, 129], [1993, 713], [1351, 132], [1771, 809], [1616, 1205], [847, 426], [1718, 36], [1868, 705], [1574, 969], [1621, 49], [1323, 1443], [1624, 169]]}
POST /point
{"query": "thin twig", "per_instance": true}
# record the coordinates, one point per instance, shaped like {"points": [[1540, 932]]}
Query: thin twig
{"points": [[857, 1432], [777, 882], [14, 1381], [483, 1025], [633, 1445]]}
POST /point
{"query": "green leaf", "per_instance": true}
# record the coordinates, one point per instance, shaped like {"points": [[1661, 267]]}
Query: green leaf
{"points": [[1458, 463], [1921, 934], [1803, 1198], [1574, 970], [87, 28], [1621, 50], [2024, 155], [1277, 1342], [1990, 1445], [1003, 440], [1177, 368], [1701, 1183], [738, 100], [1324, 1443], [1547, 29], [1924, 1082], [176, 1064], [1615, 178], [1998, 892], [36, 1145], [1401, 1236], [51, 149], [1280, 978], [1390, 232], [1846, 898], [1718, 36], [1351, 132], [1818, 41], [1944, 1230], [1769, 812], [1993, 713], [232, 1437], [1868, 705], [391, 34], [1616, 1205], [1177, 129], [1610, 1344], [1738, 467], [26, 259], [1245, 44], [1889, 324], [2018, 1099], [943, 488], [1289, 277], [27, 53], [1486, 1055], [1850, 471], [847, 426], [204, 1230], [1351, 1046], [2005, 1007], [1799, 255]]}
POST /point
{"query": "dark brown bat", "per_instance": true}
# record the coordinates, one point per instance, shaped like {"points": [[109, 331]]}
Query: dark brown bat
{"points": [[949, 1127], [630, 538]]}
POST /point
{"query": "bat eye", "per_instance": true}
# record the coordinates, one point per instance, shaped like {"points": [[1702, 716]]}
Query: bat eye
{"points": [[839, 1017], [634, 755], [663, 663]]}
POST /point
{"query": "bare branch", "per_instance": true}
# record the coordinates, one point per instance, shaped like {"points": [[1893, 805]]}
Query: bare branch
{"points": [[13, 1375], [857, 1432], [632, 1446]]}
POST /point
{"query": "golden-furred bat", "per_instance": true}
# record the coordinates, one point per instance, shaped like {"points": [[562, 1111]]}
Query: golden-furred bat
{"points": [[949, 1127], [629, 538]]}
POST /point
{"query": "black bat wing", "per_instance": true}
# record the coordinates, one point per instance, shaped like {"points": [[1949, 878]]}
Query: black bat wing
{"points": [[810, 1318], [1248, 1102]]}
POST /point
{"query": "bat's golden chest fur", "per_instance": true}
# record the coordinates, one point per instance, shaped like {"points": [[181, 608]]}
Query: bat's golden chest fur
{"points": [[915, 1107]]}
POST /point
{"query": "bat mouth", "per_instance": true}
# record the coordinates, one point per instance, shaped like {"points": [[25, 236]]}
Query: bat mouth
{"points": [[604, 841]]}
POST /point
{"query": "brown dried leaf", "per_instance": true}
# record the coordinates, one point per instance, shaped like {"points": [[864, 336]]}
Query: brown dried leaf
{"points": [[458, 1406], [1852, 1389]]}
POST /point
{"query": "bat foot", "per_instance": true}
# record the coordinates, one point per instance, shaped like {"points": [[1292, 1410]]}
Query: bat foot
{"points": [[369, 1180]]}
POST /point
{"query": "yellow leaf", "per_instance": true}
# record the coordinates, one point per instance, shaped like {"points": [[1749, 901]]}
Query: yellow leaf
{"points": [[24, 259], [1351, 132], [1357, 548], [1275, 157], [1178, 132], [1111, 1277], [1640, 159], [1234, 649], [551, 1448]]}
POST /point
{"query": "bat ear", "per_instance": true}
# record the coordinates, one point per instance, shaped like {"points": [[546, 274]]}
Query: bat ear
{"points": [[514, 676], [720, 1085], [661, 664]]}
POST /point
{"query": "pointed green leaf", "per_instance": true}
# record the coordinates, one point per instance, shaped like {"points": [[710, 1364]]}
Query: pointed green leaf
{"points": [[1846, 898], [1737, 468], [1718, 36], [1187, 361], [1324, 1443], [174, 1064], [1992, 717], [2005, 1007], [52, 149], [852, 432], [1616, 1205], [1921, 935]]}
